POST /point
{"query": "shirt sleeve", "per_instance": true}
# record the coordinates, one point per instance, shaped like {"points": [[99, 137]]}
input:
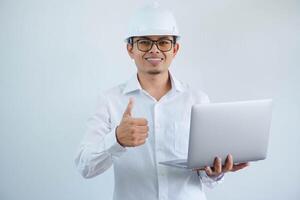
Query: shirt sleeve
{"points": [[99, 147], [210, 182]]}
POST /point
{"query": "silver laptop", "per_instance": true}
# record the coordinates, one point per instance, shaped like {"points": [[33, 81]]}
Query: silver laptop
{"points": [[218, 129]]}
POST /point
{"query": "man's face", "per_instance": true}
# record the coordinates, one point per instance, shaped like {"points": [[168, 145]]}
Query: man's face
{"points": [[155, 60]]}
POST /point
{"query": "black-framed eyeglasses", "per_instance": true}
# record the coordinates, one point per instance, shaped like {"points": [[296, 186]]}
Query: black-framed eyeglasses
{"points": [[163, 45]]}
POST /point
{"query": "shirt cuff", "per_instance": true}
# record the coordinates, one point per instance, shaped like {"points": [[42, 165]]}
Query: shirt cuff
{"points": [[202, 173], [217, 178], [115, 149], [210, 182]]}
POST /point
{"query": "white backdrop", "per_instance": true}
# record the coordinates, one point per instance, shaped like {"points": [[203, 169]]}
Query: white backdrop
{"points": [[57, 56]]}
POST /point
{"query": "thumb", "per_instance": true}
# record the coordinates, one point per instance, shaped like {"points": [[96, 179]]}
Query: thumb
{"points": [[127, 112]]}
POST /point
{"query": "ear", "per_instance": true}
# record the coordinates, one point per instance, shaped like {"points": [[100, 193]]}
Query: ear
{"points": [[175, 49], [129, 50]]}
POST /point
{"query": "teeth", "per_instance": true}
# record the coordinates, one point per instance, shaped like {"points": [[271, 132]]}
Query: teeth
{"points": [[153, 58]]}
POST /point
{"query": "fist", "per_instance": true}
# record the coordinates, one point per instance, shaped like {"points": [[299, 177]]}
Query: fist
{"points": [[131, 132]]}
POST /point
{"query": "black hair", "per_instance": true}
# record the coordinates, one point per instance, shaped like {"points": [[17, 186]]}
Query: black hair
{"points": [[130, 40]]}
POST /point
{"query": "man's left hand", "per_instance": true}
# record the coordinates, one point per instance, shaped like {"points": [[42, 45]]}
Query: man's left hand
{"points": [[218, 169]]}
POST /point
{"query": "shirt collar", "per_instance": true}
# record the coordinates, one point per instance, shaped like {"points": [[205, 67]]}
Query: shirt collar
{"points": [[176, 84], [133, 84]]}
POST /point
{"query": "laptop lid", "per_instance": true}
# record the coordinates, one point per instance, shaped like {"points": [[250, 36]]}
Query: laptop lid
{"points": [[239, 128]]}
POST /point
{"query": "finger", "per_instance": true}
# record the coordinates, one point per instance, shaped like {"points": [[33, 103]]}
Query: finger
{"points": [[139, 142], [141, 136], [127, 112], [138, 135], [139, 121], [239, 166], [142, 141], [217, 165], [142, 129], [208, 171], [228, 164]]}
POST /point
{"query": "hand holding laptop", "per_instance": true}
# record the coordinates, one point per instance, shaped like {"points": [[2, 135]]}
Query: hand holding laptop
{"points": [[218, 169]]}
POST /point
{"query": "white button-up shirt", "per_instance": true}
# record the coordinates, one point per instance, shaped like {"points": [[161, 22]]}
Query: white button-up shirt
{"points": [[138, 174]]}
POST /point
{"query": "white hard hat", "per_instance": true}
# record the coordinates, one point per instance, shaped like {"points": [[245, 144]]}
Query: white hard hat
{"points": [[152, 20]]}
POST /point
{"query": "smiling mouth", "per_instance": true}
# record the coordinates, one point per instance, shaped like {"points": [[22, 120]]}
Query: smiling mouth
{"points": [[154, 59]]}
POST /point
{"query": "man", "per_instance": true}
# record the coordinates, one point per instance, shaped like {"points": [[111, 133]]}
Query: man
{"points": [[146, 120]]}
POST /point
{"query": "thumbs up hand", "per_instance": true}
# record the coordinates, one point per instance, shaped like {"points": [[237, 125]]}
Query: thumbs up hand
{"points": [[131, 131]]}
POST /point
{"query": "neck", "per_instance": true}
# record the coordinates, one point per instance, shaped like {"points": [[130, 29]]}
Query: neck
{"points": [[157, 85]]}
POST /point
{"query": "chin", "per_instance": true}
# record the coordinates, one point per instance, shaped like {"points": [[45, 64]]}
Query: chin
{"points": [[153, 72]]}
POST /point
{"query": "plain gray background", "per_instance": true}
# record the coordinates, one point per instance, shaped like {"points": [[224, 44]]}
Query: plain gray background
{"points": [[57, 56]]}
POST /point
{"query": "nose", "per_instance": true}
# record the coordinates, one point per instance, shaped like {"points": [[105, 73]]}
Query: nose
{"points": [[154, 49]]}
